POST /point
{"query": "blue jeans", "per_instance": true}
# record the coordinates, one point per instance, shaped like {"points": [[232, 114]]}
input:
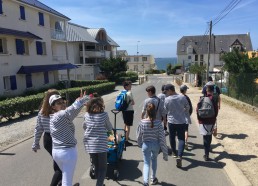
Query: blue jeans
{"points": [[150, 153], [179, 130]]}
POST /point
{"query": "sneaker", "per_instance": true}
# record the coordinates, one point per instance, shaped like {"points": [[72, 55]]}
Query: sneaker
{"points": [[206, 158], [186, 146], [154, 181], [127, 144], [179, 162], [146, 184], [174, 155], [166, 132]]}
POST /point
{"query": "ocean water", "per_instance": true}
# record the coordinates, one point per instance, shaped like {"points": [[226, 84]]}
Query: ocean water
{"points": [[162, 63]]}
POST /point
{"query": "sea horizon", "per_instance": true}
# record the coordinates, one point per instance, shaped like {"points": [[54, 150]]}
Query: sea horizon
{"points": [[162, 62]]}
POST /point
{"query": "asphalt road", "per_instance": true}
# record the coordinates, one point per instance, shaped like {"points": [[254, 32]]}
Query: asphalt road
{"points": [[19, 166]]}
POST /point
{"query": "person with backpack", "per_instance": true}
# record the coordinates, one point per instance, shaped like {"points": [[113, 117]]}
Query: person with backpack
{"points": [[151, 139], [152, 98], [207, 111], [183, 90], [128, 111], [216, 92], [176, 107], [162, 96]]}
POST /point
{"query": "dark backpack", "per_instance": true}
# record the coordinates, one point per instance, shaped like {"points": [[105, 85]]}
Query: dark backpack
{"points": [[121, 101], [205, 108]]}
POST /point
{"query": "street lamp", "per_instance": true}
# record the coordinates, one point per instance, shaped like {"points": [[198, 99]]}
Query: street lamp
{"points": [[137, 56]]}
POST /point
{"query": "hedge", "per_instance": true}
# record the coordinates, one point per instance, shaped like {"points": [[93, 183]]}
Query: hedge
{"points": [[29, 104]]}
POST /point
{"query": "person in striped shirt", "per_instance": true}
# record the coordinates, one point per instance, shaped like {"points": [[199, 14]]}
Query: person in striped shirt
{"points": [[96, 125], [43, 126], [62, 132], [151, 138]]}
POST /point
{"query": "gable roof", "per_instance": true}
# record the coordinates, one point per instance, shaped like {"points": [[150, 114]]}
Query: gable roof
{"points": [[78, 33], [44, 7], [111, 42], [218, 43]]}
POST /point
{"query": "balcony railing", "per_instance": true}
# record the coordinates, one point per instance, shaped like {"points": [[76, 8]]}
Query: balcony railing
{"points": [[59, 59], [95, 53], [57, 35]]}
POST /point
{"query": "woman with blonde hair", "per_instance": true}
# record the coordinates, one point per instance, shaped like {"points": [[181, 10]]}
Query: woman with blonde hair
{"points": [[43, 126], [151, 138], [96, 125]]}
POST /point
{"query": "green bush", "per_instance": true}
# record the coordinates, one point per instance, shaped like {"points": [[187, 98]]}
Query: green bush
{"points": [[20, 105]]}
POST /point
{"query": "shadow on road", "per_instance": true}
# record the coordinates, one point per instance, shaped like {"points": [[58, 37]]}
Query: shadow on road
{"points": [[232, 136], [128, 171], [19, 119], [7, 154]]}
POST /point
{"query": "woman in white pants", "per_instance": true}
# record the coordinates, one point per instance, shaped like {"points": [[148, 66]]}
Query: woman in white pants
{"points": [[62, 132]]}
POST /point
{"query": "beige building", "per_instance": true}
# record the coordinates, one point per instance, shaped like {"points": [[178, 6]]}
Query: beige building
{"points": [[138, 63], [32, 45]]}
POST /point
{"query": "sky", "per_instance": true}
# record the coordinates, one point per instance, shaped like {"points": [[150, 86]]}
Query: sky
{"points": [[155, 26]]}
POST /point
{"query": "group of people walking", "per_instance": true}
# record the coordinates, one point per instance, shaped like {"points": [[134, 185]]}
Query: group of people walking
{"points": [[165, 114]]}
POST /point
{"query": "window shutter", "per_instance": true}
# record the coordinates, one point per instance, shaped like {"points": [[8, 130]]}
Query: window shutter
{"points": [[20, 46], [22, 12], [39, 47], [1, 7], [46, 78], [28, 81], [13, 82], [41, 19]]}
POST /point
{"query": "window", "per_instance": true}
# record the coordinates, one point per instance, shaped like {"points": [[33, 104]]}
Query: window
{"points": [[201, 63], [196, 57], [136, 59], [41, 48], [144, 58], [41, 19], [1, 7], [201, 57], [28, 81], [189, 57], [10, 82], [128, 59], [135, 67], [3, 46], [46, 78], [22, 47], [22, 13]]}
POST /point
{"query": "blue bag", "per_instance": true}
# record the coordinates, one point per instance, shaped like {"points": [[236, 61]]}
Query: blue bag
{"points": [[121, 101]]}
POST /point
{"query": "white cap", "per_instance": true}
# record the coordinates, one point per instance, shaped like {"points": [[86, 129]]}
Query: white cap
{"points": [[54, 98], [210, 83]]}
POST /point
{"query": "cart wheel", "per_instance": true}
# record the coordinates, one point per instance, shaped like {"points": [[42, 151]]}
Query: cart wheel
{"points": [[92, 172], [116, 174]]}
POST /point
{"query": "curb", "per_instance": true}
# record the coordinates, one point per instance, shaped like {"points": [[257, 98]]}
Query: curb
{"points": [[15, 143]]}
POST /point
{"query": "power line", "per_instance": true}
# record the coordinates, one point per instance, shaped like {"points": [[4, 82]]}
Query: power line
{"points": [[225, 9], [231, 8]]}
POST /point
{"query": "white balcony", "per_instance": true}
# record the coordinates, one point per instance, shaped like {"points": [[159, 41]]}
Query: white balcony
{"points": [[96, 54], [57, 34]]}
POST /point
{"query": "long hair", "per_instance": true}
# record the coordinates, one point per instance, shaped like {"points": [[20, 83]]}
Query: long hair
{"points": [[95, 105], [151, 113], [46, 109]]}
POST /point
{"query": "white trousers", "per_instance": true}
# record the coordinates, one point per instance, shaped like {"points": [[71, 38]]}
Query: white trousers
{"points": [[66, 160]]}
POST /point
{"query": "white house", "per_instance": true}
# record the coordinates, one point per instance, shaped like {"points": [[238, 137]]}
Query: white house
{"points": [[138, 63], [33, 45], [194, 49], [87, 47]]}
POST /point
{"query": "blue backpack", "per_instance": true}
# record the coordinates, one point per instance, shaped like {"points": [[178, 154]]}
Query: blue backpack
{"points": [[121, 101]]}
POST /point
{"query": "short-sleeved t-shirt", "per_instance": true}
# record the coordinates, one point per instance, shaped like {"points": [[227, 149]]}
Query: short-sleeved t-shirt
{"points": [[129, 98]]}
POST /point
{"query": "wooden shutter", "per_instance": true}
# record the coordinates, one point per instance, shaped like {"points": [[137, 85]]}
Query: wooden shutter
{"points": [[28, 81], [20, 46], [13, 82], [46, 78], [1, 7], [39, 47], [22, 12], [41, 19]]}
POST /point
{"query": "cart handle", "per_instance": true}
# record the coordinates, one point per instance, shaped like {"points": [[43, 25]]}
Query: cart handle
{"points": [[114, 111]]}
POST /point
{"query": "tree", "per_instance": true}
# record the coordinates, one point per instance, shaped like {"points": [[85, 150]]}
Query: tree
{"points": [[169, 68], [197, 69], [112, 66]]}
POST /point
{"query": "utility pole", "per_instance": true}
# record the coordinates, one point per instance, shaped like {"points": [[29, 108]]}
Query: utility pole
{"points": [[209, 48]]}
